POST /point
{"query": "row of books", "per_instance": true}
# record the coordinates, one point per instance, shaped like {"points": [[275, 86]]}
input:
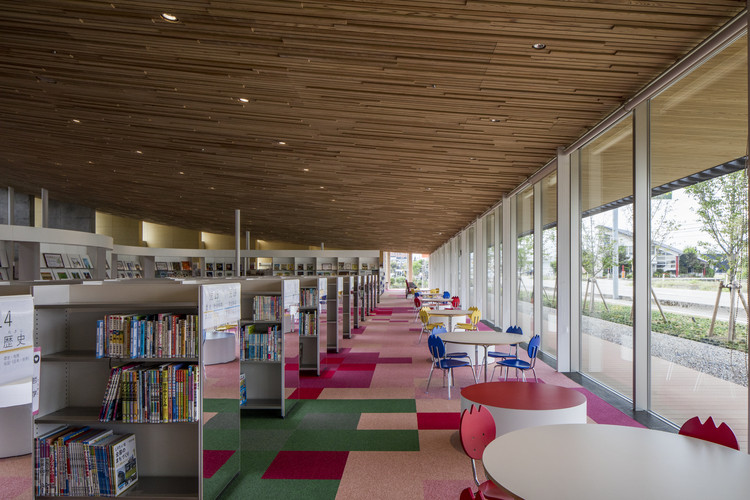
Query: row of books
{"points": [[164, 335], [308, 324], [308, 297], [81, 461], [151, 393], [258, 346], [266, 308]]}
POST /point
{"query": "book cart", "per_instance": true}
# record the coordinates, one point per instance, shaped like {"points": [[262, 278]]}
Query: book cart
{"points": [[312, 306], [172, 455], [333, 318], [347, 299], [269, 306]]}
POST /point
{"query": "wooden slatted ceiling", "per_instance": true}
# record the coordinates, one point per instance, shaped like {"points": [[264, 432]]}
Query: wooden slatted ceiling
{"points": [[414, 116]]}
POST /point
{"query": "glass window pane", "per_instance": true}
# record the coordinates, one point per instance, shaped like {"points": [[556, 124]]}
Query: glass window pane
{"points": [[606, 257], [525, 259], [420, 270], [399, 261], [699, 244], [489, 239], [549, 264], [471, 297]]}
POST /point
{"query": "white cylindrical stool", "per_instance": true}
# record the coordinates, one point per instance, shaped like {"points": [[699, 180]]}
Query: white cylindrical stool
{"points": [[219, 347]]}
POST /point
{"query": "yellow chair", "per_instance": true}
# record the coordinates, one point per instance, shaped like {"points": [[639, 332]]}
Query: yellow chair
{"points": [[424, 315], [475, 317], [435, 290]]}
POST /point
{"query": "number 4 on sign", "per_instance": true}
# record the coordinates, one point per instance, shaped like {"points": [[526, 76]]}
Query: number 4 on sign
{"points": [[7, 320]]}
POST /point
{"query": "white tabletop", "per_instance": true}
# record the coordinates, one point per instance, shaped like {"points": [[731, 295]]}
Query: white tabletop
{"points": [[450, 312], [483, 337], [590, 461]]}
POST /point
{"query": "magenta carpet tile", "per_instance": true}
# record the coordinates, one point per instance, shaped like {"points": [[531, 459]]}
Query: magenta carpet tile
{"points": [[306, 393], [213, 460], [358, 331], [357, 367], [448, 420], [291, 366], [382, 312], [307, 465], [601, 412], [340, 380], [402, 310], [362, 357]]}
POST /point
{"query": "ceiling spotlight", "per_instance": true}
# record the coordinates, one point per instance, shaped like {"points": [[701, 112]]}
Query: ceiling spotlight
{"points": [[182, 173], [305, 169], [538, 46], [282, 143], [169, 17], [138, 151], [76, 121], [244, 99]]}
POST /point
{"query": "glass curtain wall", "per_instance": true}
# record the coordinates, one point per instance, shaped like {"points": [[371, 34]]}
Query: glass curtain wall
{"points": [[525, 260], [549, 264], [399, 261], [606, 177], [472, 266], [489, 240], [499, 269], [420, 270], [699, 243]]}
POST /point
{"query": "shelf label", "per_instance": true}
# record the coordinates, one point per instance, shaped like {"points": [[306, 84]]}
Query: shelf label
{"points": [[16, 338], [220, 304]]}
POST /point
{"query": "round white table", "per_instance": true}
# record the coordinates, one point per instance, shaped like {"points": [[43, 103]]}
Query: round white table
{"points": [[449, 314], [590, 461], [484, 339], [515, 405]]}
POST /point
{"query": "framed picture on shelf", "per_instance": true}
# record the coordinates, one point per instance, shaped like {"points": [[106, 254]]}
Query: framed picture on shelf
{"points": [[76, 275], [209, 274], [276, 267], [75, 261], [46, 275], [219, 266], [341, 266], [62, 275], [300, 267], [87, 275], [161, 266], [120, 265], [219, 274], [364, 266], [310, 267], [209, 267], [86, 262], [327, 266], [176, 266], [54, 260], [185, 265], [229, 267]]}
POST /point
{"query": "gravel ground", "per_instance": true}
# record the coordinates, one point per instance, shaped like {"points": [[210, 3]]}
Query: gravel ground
{"points": [[718, 361]]}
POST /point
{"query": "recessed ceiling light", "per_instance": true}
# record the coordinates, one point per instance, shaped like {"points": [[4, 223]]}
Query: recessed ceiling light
{"points": [[539, 46], [139, 151], [322, 187], [212, 188], [282, 143], [305, 169], [244, 99], [169, 17], [494, 120], [76, 121], [182, 173]]}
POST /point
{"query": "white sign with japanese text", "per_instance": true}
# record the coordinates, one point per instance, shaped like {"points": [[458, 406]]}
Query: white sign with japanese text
{"points": [[16, 338]]}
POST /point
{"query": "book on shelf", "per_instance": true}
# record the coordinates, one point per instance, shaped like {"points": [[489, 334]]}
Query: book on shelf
{"points": [[163, 335], [266, 308], [308, 324], [81, 461], [260, 345], [308, 297], [151, 393], [243, 390]]}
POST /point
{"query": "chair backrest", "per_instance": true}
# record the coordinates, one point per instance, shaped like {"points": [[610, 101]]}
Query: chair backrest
{"points": [[468, 494], [533, 348], [708, 431], [417, 302], [477, 430], [417, 294], [434, 290], [436, 346], [439, 329], [446, 294], [476, 316], [455, 301], [424, 315]]}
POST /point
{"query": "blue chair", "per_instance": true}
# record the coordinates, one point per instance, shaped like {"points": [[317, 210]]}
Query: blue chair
{"points": [[437, 351], [505, 355], [455, 355], [520, 364], [446, 294]]}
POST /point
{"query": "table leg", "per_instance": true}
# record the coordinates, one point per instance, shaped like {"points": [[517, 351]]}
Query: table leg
{"points": [[485, 362]]}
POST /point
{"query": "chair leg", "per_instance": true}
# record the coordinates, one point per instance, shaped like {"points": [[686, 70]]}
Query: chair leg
{"points": [[534, 372], [429, 378], [506, 373]]}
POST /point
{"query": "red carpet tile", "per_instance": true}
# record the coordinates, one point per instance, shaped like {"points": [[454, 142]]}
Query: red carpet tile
{"points": [[307, 465], [306, 393], [362, 357], [291, 366], [213, 460], [448, 420]]}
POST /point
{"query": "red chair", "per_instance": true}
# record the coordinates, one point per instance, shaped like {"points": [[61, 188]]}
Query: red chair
{"points": [[477, 430], [468, 494], [708, 431], [417, 307], [455, 303]]}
